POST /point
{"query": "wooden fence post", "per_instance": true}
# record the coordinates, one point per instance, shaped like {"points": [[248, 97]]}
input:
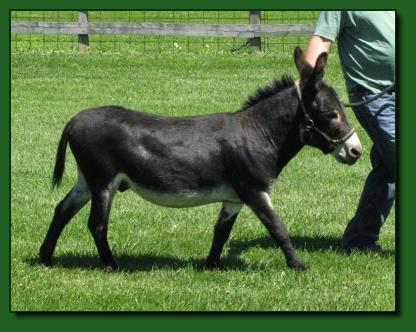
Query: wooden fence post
{"points": [[255, 43], [83, 40]]}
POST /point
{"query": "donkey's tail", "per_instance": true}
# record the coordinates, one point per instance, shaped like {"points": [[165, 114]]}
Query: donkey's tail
{"points": [[59, 169]]}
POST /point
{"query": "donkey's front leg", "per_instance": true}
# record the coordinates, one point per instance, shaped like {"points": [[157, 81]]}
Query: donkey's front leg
{"points": [[261, 205], [222, 230]]}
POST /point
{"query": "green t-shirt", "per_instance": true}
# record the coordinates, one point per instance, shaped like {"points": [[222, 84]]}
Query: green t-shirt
{"points": [[366, 45]]}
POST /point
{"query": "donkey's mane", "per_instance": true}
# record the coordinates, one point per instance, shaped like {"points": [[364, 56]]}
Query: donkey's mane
{"points": [[268, 91]]}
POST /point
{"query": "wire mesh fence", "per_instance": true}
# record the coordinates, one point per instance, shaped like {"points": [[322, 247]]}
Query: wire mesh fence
{"points": [[148, 43]]}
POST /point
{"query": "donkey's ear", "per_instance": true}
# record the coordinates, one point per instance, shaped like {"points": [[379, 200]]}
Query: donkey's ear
{"points": [[304, 68], [318, 72], [299, 59]]}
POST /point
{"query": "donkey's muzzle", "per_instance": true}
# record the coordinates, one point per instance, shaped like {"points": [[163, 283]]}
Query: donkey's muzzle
{"points": [[349, 151]]}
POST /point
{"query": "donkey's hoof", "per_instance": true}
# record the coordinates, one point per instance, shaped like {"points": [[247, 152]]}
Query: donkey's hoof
{"points": [[45, 259], [212, 265], [110, 268], [46, 262], [298, 266]]}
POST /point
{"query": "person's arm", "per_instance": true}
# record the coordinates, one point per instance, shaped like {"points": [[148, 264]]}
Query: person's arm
{"points": [[317, 45], [327, 29]]}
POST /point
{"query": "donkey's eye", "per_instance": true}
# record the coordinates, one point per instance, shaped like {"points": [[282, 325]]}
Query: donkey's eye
{"points": [[331, 115]]}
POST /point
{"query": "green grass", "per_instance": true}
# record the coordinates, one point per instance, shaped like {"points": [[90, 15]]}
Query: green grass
{"points": [[161, 250]]}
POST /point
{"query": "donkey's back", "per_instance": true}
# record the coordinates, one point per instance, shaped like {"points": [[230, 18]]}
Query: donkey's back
{"points": [[176, 162]]}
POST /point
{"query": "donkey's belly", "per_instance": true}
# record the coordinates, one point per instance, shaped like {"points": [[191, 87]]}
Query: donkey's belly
{"points": [[183, 198]]}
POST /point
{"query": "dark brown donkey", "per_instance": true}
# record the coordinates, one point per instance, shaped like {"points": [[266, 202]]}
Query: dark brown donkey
{"points": [[232, 158]]}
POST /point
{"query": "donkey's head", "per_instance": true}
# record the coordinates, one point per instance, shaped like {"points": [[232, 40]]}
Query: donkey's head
{"points": [[325, 124]]}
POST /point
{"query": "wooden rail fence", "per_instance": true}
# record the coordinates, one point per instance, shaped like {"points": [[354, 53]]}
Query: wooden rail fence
{"points": [[253, 31]]}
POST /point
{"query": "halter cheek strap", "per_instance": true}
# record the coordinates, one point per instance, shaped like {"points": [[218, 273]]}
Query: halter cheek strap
{"points": [[310, 128]]}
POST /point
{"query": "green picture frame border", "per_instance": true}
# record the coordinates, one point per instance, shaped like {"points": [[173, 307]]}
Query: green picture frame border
{"points": [[402, 319]]}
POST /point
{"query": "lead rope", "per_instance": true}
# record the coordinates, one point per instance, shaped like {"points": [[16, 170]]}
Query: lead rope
{"points": [[378, 95]]}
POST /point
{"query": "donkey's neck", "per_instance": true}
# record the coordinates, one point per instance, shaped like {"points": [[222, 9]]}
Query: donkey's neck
{"points": [[278, 119]]}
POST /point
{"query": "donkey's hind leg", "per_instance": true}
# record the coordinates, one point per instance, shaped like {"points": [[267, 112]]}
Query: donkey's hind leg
{"points": [[222, 230], [64, 212], [98, 224]]}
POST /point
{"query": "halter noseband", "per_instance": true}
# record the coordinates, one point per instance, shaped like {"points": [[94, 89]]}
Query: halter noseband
{"points": [[310, 128]]}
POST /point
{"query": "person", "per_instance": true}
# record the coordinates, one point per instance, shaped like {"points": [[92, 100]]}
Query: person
{"points": [[366, 48]]}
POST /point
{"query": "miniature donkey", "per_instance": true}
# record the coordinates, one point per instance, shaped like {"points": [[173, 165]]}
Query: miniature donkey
{"points": [[232, 158]]}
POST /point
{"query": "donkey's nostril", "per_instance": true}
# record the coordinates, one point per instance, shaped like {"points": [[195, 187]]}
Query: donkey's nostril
{"points": [[354, 152]]}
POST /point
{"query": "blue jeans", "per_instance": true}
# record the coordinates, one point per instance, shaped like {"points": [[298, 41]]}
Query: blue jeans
{"points": [[378, 118]]}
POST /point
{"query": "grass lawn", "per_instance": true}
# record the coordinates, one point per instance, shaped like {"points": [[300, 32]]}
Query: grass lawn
{"points": [[161, 250]]}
